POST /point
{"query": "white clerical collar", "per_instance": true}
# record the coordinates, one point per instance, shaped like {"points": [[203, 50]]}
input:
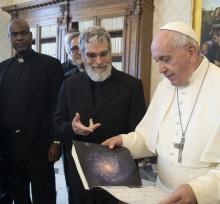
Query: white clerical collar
{"points": [[20, 60]]}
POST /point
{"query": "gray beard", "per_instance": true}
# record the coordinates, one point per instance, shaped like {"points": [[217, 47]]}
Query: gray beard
{"points": [[95, 75]]}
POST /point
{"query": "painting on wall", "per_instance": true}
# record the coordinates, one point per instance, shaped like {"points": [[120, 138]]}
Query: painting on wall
{"points": [[206, 22]]}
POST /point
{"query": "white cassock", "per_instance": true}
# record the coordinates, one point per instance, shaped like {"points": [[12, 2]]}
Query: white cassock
{"points": [[160, 129]]}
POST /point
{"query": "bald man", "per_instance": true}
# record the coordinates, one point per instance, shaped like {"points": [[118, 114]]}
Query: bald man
{"points": [[29, 83], [182, 123]]}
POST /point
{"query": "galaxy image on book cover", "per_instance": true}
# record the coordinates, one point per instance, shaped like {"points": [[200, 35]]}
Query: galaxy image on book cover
{"points": [[105, 167]]}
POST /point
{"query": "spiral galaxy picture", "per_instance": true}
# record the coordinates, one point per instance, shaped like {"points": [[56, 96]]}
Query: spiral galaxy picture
{"points": [[100, 166]]}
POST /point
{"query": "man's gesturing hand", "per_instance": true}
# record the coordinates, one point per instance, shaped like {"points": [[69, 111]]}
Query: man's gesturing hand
{"points": [[80, 129]]}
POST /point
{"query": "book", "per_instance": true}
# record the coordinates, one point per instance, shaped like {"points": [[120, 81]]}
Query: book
{"points": [[100, 166], [115, 171]]}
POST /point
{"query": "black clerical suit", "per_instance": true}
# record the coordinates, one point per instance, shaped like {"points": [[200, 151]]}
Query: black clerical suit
{"points": [[5, 197], [69, 70], [28, 90], [117, 103], [68, 65]]}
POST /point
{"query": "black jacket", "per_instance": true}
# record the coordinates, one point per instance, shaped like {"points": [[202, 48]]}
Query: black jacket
{"points": [[121, 109], [40, 102]]}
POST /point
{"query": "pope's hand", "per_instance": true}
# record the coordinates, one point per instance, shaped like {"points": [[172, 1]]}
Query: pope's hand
{"points": [[112, 142], [80, 129], [183, 195]]}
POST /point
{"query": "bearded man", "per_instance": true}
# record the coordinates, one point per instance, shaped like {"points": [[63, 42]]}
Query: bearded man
{"points": [[96, 104]]}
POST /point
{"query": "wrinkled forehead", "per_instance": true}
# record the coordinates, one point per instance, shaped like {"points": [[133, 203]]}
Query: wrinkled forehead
{"points": [[75, 41], [162, 38], [16, 26], [97, 40], [95, 45], [162, 44]]}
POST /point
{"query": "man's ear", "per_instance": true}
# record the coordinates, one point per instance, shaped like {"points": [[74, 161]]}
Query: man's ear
{"points": [[193, 52]]}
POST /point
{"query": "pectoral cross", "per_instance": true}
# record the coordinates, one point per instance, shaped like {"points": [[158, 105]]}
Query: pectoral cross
{"points": [[180, 146]]}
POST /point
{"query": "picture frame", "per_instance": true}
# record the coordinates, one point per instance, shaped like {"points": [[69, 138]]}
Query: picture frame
{"points": [[197, 17], [206, 23]]}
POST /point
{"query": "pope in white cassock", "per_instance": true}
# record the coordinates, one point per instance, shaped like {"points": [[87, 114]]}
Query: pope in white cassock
{"points": [[182, 124]]}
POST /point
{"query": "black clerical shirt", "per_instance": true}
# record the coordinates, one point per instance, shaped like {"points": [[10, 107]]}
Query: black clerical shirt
{"points": [[15, 86], [97, 89]]}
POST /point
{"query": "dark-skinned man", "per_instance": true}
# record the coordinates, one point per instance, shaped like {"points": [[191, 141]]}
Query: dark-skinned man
{"points": [[29, 83]]}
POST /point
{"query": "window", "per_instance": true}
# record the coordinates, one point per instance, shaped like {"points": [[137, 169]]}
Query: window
{"points": [[34, 37], [47, 39]]}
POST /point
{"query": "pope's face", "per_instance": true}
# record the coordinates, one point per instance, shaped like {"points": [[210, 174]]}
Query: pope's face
{"points": [[173, 61]]}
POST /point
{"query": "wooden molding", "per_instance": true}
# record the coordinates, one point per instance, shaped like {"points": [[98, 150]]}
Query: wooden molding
{"points": [[15, 9], [136, 6], [31, 5]]}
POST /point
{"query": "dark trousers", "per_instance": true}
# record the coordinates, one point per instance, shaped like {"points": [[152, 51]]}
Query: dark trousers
{"points": [[25, 170], [66, 173], [5, 197]]}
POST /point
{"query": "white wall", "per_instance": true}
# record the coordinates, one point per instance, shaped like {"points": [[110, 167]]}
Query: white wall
{"points": [[4, 41]]}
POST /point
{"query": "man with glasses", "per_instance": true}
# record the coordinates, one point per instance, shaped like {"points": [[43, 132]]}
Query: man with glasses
{"points": [[95, 104], [74, 64], [29, 84]]}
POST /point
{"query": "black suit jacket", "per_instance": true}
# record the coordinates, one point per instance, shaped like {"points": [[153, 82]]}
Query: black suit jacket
{"points": [[70, 69], [121, 109], [67, 66], [40, 102]]}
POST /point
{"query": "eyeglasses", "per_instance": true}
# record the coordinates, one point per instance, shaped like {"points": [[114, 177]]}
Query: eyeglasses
{"points": [[22, 33], [92, 56], [74, 48]]}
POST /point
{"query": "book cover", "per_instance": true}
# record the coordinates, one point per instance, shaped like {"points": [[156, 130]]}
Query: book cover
{"points": [[100, 166]]}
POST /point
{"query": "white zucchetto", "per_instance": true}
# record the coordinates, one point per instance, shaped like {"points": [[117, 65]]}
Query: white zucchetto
{"points": [[180, 27]]}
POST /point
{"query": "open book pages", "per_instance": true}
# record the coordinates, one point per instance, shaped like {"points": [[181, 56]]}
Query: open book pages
{"points": [[114, 171], [98, 165], [140, 195]]}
